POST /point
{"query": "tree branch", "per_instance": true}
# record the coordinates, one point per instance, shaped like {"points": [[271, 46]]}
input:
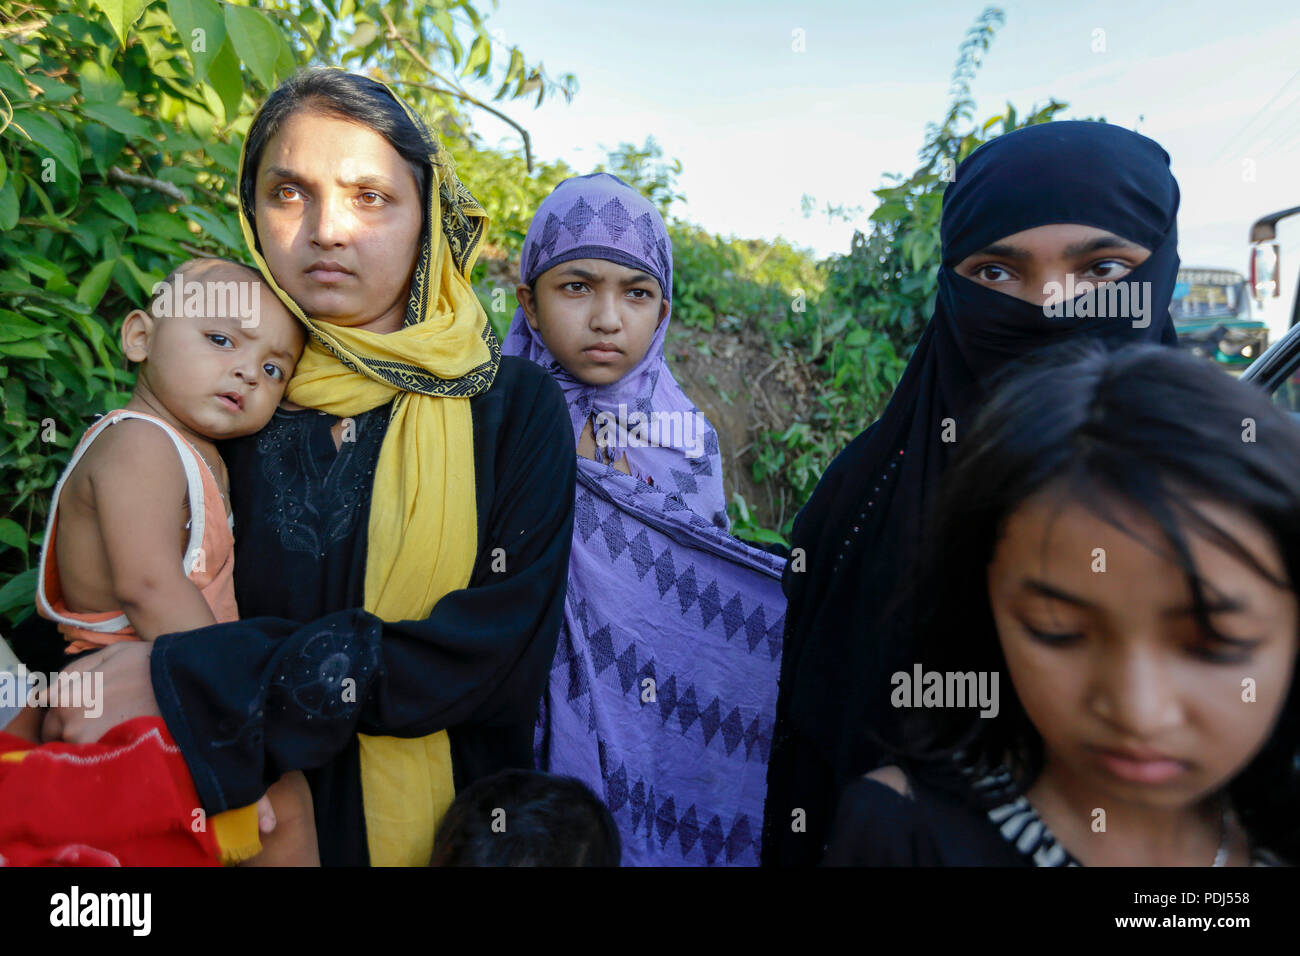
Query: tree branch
{"points": [[454, 89], [117, 175]]}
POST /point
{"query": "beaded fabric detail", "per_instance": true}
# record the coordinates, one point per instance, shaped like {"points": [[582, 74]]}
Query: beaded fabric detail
{"points": [[862, 515], [314, 507]]}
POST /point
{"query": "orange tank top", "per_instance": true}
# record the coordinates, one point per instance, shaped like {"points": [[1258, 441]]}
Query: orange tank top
{"points": [[209, 559]]}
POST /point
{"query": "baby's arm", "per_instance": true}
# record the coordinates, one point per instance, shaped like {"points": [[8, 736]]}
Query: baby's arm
{"points": [[138, 489], [293, 841]]}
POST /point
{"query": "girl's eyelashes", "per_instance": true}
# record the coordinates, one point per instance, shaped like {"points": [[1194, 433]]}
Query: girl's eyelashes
{"points": [[1219, 648], [1052, 638]]}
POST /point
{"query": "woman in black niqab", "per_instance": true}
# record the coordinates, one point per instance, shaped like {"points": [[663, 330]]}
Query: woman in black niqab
{"points": [[849, 623]]}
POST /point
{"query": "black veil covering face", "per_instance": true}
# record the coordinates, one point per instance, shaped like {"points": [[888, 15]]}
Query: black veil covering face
{"points": [[847, 630]]}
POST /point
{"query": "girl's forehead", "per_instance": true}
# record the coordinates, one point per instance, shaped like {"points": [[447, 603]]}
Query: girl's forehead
{"points": [[600, 270]]}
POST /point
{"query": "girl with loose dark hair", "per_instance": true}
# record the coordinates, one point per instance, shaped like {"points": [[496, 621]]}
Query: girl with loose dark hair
{"points": [[1116, 551]]}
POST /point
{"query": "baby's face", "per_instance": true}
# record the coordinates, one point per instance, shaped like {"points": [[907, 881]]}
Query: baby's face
{"points": [[222, 372], [597, 317]]}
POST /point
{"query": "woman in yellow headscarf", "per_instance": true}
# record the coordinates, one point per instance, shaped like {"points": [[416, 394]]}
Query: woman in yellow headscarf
{"points": [[402, 524]]}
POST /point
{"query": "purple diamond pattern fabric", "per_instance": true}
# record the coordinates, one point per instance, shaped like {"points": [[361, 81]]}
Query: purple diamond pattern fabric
{"points": [[662, 695]]}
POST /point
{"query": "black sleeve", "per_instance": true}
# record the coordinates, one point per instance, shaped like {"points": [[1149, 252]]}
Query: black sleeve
{"points": [[875, 825], [251, 700]]}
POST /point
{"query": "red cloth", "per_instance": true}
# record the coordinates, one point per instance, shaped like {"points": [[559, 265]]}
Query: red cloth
{"points": [[127, 800]]}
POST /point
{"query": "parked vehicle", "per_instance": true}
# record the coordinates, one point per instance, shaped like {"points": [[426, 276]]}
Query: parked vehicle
{"points": [[1211, 311]]}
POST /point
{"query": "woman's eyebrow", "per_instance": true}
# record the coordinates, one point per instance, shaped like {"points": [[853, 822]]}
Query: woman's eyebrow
{"points": [[1100, 242], [639, 277], [279, 172], [1004, 250], [370, 180], [1049, 591]]}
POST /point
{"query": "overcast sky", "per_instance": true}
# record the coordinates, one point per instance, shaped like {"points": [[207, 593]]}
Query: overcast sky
{"points": [[758, 124]]}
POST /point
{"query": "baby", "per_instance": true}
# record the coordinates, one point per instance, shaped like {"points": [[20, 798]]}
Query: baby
{"points": [[139, 542]]}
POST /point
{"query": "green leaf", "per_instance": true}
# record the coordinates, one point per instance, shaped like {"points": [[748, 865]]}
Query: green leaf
{"points": [[13, 534], [14, 327], [119, 118], [11, 80], [25, 349], [105, 145], [55, 91], [51, 137], [225, 77], [18, 590], [201, 120], [158, 244], [362, 35], [117, 205], [442, 20], [15, 402], [95, 283], [121, 14], [214, 226], [145, 280], [206, 16], [8, 207], [480, 54], [100, 84], [257, 41], [165, 224]]}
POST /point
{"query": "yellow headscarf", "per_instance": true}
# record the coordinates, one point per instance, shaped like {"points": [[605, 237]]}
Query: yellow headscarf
{"points": [[423, 530]]}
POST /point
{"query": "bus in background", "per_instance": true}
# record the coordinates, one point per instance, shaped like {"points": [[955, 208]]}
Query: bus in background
{"points": [[1211, 312]]}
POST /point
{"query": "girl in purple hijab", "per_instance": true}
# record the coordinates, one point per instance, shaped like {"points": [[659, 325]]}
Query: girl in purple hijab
{"points": [[595, 301], [663, 690]]}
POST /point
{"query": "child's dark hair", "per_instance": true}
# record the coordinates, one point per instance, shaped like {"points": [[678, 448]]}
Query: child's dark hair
{"points": [[1146, 426], [348, 96], [527, 818]]}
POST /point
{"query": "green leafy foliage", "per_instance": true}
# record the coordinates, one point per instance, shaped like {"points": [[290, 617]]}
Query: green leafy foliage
{"points": [[121, 123]]}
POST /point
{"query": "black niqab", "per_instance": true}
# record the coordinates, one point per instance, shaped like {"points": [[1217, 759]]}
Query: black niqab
{"points": [[847, 630]]}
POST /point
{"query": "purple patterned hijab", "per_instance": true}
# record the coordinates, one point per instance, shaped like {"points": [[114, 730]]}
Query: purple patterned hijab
{"points": [[665, 437], [662, 695]]}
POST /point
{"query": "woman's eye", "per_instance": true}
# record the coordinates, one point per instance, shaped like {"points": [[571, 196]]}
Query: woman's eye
{"points": [[993, 273], [216, 338], [1053, 638], [284, 192], [274, 371], [371, 199], [639, 293], [1108, 269], [575, 286]]}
